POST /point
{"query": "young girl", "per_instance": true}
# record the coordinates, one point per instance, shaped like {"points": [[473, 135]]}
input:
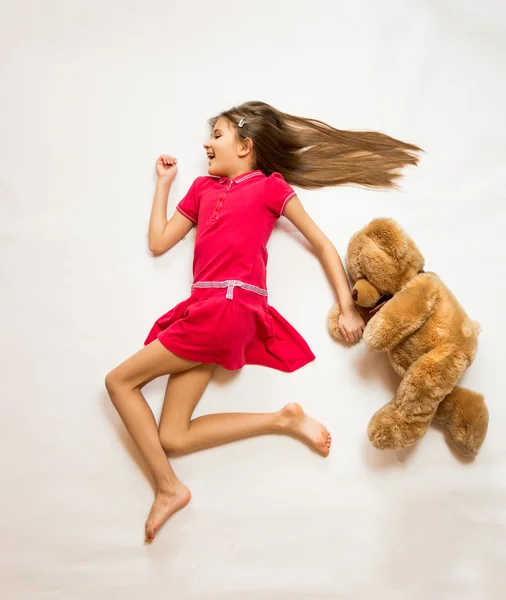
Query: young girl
{"points": [[255, 153]]}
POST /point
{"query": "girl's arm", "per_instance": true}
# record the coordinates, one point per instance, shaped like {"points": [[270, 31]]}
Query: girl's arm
{"points": [[351, 325], [164, 234]]}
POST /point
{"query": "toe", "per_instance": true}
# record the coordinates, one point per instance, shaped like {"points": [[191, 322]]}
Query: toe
{"points": [[150, 532]]}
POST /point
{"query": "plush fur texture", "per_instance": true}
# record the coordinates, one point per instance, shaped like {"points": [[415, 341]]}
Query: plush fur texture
{"points": [[429, 339]]}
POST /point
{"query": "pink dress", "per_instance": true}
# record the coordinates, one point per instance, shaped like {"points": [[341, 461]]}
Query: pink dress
{"points": [[227, 319]]}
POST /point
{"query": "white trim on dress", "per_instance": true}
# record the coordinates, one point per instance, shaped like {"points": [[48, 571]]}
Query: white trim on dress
{"points": [[290, 196], [185, 214], [230, 284]]}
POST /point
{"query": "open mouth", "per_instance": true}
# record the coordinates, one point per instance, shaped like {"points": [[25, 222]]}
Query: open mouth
{"points": [[210, 157]]}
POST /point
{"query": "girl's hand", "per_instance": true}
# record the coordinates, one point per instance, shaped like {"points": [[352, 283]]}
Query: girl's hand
{"points": [[351, 325], [166, 167]]}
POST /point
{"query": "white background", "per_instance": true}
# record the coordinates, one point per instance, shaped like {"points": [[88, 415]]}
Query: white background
{"points": [[90, 94]]}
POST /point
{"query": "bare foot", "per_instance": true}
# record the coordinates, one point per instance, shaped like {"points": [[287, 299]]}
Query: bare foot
{"points": [[164, 505], [295, 420]]}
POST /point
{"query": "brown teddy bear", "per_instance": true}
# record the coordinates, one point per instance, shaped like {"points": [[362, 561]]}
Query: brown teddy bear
{"points": [[430, 341]]}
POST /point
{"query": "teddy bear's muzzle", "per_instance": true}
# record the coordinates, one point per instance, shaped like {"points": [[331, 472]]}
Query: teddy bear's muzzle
{"points": [[365, 294]]}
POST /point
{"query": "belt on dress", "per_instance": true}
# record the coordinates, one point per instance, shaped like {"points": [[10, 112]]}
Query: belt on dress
{"points": [[230, 284]]}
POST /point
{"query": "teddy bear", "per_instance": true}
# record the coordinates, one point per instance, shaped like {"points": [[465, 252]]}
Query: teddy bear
{"points": [[429, 339]]}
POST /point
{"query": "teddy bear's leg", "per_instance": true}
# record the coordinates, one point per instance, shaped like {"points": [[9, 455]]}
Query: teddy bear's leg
{"points": [[464, 416], [405, 419]]}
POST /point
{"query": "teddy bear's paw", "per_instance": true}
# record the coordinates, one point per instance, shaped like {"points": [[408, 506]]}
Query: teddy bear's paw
{"points": [[389, 431], [333, 324], [468, 435], [385, 434], [463, 415]]}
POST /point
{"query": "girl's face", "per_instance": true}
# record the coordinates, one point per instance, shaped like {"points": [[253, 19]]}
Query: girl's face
{"points": [[228, 156]]}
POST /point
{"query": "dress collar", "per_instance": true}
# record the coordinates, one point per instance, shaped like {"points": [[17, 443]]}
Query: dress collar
{"points": [[239, 178]]}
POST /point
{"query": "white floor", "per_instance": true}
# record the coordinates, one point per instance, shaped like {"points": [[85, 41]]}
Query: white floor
{"points": [[91, 94]]}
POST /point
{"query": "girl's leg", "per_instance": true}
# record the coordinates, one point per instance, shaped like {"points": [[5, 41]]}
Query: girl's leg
{"points": [[124, 386], [179, 434]]}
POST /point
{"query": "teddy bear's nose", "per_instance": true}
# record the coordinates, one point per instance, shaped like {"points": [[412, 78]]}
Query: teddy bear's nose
{"points": [[354, 295]]}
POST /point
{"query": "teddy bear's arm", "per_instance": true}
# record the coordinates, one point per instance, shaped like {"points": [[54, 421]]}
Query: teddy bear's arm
{"points": [[401, 316], [333, 320]]}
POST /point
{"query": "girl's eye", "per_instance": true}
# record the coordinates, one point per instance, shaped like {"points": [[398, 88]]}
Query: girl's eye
{"points": [[217, 136]]}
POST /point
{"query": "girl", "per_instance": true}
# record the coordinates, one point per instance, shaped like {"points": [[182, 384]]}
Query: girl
{"points": [[255, 153]]}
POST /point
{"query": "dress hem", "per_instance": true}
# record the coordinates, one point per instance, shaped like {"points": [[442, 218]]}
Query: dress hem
{"points": [[203, 358]]}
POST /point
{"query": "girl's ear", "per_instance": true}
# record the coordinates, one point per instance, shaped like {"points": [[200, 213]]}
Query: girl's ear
{"points": [[245, 147]]}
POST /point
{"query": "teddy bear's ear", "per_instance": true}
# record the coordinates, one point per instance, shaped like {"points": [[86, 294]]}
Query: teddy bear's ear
{"points": [[388, 236]]}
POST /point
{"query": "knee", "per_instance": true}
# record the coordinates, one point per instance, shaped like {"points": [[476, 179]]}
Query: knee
{"points": [[113, 382], [173, 442]]}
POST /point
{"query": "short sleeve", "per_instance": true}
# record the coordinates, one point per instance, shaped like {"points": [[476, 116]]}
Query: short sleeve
{"points": [[278, 193], [189, 205]]}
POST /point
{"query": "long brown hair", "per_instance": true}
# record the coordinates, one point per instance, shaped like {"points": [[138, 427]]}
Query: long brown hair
{"points": [[311, 154]]}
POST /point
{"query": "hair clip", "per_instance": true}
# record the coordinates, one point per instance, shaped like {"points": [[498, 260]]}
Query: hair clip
{"points": [[241, 123]]}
